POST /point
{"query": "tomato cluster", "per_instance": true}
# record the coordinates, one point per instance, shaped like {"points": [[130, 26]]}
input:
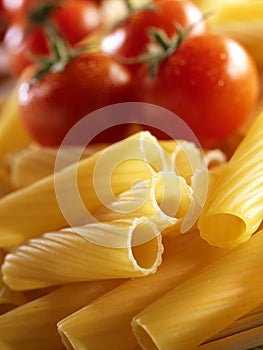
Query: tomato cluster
{"points": [[26, 39], [164, 54]]}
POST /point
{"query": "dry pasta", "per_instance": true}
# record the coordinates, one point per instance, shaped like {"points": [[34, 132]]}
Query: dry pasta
{"points": [[13, 136], [131, 249], [105, 323], [5, 185], [9, 299], [166, 199], [234, 210], [34, 163], [206, 303], [249, 339], [34, 325], [42, 206], [248, 322], [242, 20]]}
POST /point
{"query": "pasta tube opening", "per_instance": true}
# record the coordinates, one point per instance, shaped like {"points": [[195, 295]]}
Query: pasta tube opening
{"points": [[217, 227], [118, 249], [236, 200], [66, 341], [144, 339], [145, 246], [171, 195], [145, 254]]}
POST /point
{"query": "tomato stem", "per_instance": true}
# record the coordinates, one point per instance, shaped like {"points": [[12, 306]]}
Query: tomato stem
{"points": [[41, 12], [128, 5], [60, 56], [133, 9], [162, 47]]}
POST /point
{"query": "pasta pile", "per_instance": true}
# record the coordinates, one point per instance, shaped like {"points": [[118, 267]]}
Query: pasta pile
{"points": [[143, 244]]}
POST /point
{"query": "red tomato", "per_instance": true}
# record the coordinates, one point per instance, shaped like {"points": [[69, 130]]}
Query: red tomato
{"points": [[18, 10], [23, 47], [73, 19], [58, 100], [209, 81], [3, 20], [130, 38]]}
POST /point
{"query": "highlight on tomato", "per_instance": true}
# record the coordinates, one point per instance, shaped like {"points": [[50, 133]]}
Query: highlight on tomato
{"points": [[130, 38], [67, 87], [208, 80]]}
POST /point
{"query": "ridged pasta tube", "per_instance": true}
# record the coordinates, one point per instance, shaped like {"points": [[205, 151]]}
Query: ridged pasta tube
{"points": [[34, 325], [206, 303], [105, 323], [234, 210], [68, 197], [73, 256]]}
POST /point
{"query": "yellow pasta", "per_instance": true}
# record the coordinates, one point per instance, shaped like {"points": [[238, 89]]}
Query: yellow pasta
{"points": [[206, 303], [234, 210], [212, 5], [98, 251], [34, 163], [105, 323], [167, 200], [13, 136], [173, 196], [186, 157], [250, 321], [45, 205], [5, 185], [9, 298], [242, 20], [249, 339], [33, 326]]}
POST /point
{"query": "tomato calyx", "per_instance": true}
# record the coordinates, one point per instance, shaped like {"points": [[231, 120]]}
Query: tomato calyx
{"points": [[41, 13], [61, 54], [132, 8], [161, 47]]}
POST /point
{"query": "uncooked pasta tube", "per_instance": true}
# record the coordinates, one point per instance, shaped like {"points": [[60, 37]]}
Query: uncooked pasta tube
{"points": [[120, 249], [34, 163], [13, 136], [105, 323], [234, 210], [73, 193], [206, 303], [34, 325]]}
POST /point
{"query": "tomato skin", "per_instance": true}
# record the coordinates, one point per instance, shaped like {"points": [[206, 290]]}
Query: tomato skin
{"points": [[18, 10], [130, 38], [24, 47], [73, 19], [58, 100], [3, 20], [210, 82], [76, 19]]}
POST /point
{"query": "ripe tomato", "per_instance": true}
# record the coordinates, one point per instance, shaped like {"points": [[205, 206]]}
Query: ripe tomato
{"points": [[209, 81], [18, 10], [24, 47], [59, 99], [130, 38], [73, 19], [3, 20]]}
